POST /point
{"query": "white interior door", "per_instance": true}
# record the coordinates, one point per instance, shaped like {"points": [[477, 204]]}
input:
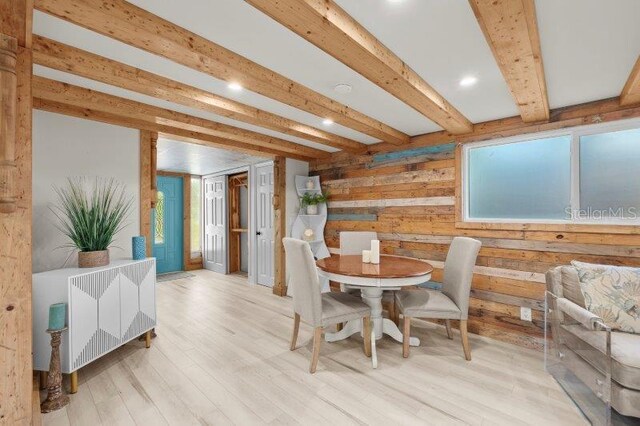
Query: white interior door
{"points": [[215, 224], [264, 224]]}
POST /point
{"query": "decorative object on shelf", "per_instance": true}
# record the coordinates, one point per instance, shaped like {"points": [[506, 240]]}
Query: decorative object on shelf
{"points": [[311, 184], [91, 219], [55, 398], [366, 256], [138, 247], [308, 235], [375, 251], [311, 201], [57, 316]]}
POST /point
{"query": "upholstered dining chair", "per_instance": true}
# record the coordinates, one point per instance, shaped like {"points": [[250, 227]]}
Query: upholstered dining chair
{"points": [[450, 303], [319, 309], [352, 243]]}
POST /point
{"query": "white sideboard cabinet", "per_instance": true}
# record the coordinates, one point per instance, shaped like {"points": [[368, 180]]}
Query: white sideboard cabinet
{"points": [[106, 308]]}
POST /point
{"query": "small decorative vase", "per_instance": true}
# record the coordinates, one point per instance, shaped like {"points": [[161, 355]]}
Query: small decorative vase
{"points": [[138, 248], [312, 209], [93, 259], [308, 235], [311, 184]]}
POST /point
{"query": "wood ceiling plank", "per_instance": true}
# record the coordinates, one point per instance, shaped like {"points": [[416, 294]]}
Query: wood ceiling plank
{"points": [[139, 28], [68, 94], [329, 27], [631, 91], [62, 57], [511, 30]]}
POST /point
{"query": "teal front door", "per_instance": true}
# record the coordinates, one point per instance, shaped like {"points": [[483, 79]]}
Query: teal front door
{"points": [[167, 218]]}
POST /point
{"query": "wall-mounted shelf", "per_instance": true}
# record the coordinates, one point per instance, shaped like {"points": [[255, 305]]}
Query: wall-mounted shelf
{"points": [[315, 222]]}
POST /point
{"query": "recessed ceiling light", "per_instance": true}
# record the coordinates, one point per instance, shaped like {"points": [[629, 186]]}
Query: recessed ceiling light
{"points": [[236, 87], [468, 81], [342, 88], [327, 122]]}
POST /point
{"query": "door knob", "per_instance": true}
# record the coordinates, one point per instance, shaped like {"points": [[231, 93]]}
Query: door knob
{"points": [[258, 233]]}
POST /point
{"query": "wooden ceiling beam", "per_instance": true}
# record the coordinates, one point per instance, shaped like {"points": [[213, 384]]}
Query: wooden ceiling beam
{"points": [[329, 27], [62, 57], [631, 91], [139, 28], [147, 117], [511, 29], [168, 132]]}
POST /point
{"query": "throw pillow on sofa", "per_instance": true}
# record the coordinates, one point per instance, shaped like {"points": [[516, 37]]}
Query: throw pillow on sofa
{"points": [[612, 293]]}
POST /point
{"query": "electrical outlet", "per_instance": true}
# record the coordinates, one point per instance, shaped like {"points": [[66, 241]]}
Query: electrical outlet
{"points": [[525, 313]]}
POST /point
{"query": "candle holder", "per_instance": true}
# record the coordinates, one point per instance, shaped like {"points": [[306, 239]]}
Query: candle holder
{"points": [[55, 398]]}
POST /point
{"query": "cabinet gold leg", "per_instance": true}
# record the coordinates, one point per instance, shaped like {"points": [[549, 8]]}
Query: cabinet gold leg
{"points": [[147, 339], [74, 382]]}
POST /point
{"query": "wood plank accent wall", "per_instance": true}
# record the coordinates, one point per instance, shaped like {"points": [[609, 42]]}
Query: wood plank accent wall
{"points": [[409, 198], [16, 383]]}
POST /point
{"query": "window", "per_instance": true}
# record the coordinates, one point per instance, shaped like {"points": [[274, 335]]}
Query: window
{"points": [[580, 175], [609, 173], [159, 234], [196, 197]]}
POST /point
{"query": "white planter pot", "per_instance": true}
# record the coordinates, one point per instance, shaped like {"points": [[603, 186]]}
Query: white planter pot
{"points": [[312, 209]]}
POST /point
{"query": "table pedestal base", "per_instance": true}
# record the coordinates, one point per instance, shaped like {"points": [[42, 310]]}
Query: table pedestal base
{"points": [[372, 296]]}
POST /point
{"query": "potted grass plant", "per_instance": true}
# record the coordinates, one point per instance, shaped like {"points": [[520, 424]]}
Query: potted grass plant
{"points": [[90, 215], [311, 200]]}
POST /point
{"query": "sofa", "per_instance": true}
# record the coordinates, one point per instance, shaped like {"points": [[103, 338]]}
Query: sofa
{"points": [[606, 362]]}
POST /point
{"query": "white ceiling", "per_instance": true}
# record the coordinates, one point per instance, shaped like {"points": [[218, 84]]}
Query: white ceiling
{"points": [[588, 47], [174, 156]]}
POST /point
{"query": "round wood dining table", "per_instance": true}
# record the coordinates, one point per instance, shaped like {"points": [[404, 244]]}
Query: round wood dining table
{"points": [[392, 273]]}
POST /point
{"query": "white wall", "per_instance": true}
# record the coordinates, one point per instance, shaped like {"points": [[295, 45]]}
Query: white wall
{"points": [[70, 147], [293, 168]]}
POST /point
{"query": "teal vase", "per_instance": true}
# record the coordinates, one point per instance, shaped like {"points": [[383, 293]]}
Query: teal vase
{"points": [[139, 248]]}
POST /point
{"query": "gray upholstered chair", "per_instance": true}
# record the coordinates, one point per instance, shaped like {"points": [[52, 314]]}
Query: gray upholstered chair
{"points": [[452, 302], [315, 308], [352, 243]]}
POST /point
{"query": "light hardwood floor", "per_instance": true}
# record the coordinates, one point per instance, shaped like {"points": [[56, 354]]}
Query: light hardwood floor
{"points": [[222, 357]]}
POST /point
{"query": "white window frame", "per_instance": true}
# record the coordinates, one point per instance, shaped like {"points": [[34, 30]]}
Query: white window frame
{"points": [[575, 133]]}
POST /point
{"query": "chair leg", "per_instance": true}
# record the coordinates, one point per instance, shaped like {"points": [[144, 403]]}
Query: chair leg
{"points": [[447, 324], [317, 338], [465, 340], [391, 308], [296, 327], [406, 335], [366, 335]]}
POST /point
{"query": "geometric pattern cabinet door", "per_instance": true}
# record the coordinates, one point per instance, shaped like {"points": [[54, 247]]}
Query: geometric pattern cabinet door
{"points": [[94, 298], [137, 299]]}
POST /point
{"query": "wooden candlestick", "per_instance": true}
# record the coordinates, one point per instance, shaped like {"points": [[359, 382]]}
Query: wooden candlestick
{"points": [[55, 398]]}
